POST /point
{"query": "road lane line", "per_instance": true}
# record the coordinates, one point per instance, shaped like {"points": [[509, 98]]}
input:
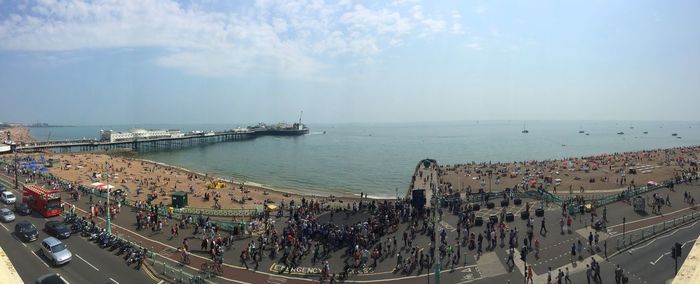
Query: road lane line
{"points": [[657, 260], [662, 255], [40, 260], [4, 227], [661, 237], [658, 216], [87, 262], [115, 281]]}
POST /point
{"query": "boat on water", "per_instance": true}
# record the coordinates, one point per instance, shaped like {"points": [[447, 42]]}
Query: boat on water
{"points": [[581, 131], [588, 134], [524, 129], [646, 132], [674, 134], [620, 133]]}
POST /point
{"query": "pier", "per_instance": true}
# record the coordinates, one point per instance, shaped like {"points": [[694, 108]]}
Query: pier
{"points": [[137, 145]]}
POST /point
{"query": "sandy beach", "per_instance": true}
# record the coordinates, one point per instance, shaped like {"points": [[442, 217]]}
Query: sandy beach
{"points": [[594, 174], [17, 134], [599, 173], [141, 177]]}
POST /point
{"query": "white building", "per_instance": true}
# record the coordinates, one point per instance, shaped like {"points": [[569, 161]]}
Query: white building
{"points": [[139, 134]]}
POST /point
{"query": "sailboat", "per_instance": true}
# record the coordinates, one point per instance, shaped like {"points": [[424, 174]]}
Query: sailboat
{"points": [[525, 130]]}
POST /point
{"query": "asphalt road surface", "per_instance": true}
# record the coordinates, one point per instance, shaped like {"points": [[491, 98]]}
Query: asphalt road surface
{"points": [[90, 264]]}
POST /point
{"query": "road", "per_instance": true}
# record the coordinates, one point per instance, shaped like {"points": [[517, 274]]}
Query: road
{"points": [[90, 264], [651, 262]]}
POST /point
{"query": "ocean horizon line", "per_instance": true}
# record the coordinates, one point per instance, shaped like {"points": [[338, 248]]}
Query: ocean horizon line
{"points": [[369, 122]]}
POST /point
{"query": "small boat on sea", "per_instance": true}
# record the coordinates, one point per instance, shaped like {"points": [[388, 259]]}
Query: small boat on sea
{"points": [[581, 131], [588, 134], [646, 132], [525, 131], [620, 133], [674, 134]]}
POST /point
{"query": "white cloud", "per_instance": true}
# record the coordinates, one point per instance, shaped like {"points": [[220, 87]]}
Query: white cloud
{"points": [[290, 38], [473, 45]]}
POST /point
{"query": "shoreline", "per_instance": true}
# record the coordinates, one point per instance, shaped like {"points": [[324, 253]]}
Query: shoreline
{"points": [[256, 184]]}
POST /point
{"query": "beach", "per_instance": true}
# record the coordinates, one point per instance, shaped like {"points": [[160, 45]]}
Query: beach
{"points": [[131, 175], [576, 175], [17, 134], [597, 174]]}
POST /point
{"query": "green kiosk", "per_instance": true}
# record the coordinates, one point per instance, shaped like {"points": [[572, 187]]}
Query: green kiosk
{"points": [[179, 199]]}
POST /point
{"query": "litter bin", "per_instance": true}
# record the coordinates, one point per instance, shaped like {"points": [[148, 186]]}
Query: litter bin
{"points": [[478, 221], [179, 199]]}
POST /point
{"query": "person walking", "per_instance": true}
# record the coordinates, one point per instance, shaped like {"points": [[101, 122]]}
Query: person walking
{"points": [[543, 227], [566, 275], [618, 275], [589, 273], [529, 274], [511, 253], [560, 276], [573, 252]]}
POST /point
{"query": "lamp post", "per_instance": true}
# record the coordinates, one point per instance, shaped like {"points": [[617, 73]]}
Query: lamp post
{"points": [[623, 228], [13, 147], [109, 211]]}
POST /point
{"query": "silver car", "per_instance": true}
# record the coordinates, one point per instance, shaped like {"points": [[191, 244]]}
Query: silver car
{"points": [[56, 251], [6, 215]]}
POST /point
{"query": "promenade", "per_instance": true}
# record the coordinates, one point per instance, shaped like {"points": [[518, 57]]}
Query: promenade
{"points": [[460, 264]]}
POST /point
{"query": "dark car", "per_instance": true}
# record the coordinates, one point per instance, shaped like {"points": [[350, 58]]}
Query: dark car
{"points": [[57, 229], [51, 278], [22, 208], [26, 231]]}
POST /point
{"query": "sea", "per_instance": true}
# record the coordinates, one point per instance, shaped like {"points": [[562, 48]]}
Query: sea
{"points": [[379, 158]]}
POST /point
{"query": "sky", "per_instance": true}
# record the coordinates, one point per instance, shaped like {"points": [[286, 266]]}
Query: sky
{"points": [[84, 62]]}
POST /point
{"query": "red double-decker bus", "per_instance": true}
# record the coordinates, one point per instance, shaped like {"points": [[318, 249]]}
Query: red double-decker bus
{"points": [[45, 201]]}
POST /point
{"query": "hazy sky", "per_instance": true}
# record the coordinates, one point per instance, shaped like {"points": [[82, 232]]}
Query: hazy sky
{"points": [[162, 61]]}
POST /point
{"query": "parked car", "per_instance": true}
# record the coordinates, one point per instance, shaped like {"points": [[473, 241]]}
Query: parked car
{"points": [[51, 278], [26, 231], [6, 215], [22, 208], [57, 229], [56, 251], [7, 197]]}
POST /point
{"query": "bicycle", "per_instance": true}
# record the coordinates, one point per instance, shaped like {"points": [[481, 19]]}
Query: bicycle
{"points": [[185, 258], [212, 267]]}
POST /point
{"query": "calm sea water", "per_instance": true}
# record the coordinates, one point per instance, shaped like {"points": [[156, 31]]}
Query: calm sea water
{"points": [[379, 158]]}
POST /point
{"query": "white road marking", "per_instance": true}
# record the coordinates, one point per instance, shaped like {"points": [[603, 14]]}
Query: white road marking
{"points": [[663, 254], [659, 216], [115, 281], [661, 237], [4, 227], [657, 260], [87, 262], [40, 260], [64, 279]]}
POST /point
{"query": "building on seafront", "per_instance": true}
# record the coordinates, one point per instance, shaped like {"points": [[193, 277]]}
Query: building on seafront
{"points": [[135, 134]]}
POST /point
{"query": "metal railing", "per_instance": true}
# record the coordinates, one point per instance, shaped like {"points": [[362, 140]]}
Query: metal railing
{"points": [[175, 272], [629, 239]]}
